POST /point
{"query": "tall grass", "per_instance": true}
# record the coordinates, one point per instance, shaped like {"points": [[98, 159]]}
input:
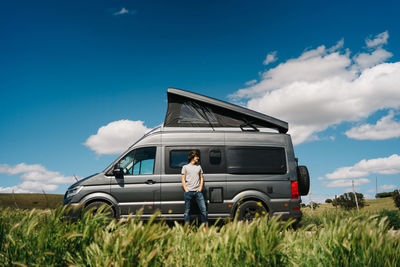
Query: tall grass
{"points": [[40, 237], [351, 241]]}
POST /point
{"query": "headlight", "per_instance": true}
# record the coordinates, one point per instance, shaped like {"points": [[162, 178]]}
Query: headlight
{"points": [[73, 191]]}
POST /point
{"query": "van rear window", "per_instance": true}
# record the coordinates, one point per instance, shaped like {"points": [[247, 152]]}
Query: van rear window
{"points": [[256, 160]]}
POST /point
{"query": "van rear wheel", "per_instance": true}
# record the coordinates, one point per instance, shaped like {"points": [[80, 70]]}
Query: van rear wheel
{"points": [[95, 206], [251, 209]]}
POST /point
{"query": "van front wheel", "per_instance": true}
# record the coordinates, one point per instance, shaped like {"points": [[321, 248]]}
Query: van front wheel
{"points": [[251, 209]]}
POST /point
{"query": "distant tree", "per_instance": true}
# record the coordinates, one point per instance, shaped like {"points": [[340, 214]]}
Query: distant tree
{"points": [[396, 198], [328, 200], [348, 201], [385, 194], [315, 205]]}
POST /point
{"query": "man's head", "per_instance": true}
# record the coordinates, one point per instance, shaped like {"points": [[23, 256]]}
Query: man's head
{"points": [[193, 157]]}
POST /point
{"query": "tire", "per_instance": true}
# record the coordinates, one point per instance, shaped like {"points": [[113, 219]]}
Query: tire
{"points": [[303, 179], [94, 206], [250, 210]]}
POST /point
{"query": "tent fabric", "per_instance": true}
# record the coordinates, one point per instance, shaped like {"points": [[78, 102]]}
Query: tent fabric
{"points": [[187, 109]]}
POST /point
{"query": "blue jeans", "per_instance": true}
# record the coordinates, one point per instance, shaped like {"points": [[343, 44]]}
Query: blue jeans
{"points": [[200, 202]]}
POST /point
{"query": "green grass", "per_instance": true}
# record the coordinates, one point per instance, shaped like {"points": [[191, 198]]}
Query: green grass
{"points": [[331, 238], [43, 201], [370, 205]]}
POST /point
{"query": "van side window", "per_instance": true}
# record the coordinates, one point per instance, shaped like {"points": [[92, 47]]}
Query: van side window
{"points": [[215, 157], [212, 158], [178, 158], [139, 161], [256, 160]]}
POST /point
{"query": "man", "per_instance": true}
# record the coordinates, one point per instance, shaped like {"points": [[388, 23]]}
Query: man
{"points": [[192, 182]]}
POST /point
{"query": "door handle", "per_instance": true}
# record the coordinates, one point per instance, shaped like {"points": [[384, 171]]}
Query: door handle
{"points": [[150, 182]]}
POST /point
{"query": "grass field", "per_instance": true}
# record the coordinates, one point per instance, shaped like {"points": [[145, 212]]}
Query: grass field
{"points": [[370, 205], [43, 201], [31, 201], [327, 237]]}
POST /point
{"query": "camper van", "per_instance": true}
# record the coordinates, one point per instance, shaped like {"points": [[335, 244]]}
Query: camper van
{"points": [[249, 165]]}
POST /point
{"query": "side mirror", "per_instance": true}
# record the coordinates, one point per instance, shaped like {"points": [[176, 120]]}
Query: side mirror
{"points": [[118, 172]]}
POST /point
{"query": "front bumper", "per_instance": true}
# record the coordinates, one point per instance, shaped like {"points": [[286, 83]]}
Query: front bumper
{"points": [[72, 211]]}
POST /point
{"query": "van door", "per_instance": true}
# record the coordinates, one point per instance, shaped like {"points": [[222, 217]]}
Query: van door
{"points": [[212, 161], [172, 201], [140, 186]]}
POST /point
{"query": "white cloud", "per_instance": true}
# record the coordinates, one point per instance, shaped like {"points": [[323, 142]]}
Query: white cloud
{"points": [[248, 83], [387, 187], [379, 40], [124, 11], [14, 189], [35, 178], [347, 183], [385, 128], [271, 57], [317, 198], [116, 136], [349, 189], [367, 60], [368, 196], [324, 87], [389, 165]]}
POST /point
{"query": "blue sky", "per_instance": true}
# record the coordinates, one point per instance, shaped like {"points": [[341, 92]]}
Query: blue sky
{"points": [[68, 68]]}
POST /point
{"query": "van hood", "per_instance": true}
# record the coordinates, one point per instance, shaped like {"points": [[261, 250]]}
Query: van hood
{"points": [[82, 181]]}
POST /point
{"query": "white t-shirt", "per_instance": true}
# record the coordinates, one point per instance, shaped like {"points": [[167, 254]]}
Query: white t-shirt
{"points": [[192, 173]]}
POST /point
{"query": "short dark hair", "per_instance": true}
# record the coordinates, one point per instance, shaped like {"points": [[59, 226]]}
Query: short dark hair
{"points": [[192, 154]]}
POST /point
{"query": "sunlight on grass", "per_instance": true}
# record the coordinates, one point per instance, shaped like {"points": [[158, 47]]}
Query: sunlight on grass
{"points": [[41, 237]]}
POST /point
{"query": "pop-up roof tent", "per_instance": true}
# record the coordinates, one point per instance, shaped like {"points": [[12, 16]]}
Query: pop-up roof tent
{"points": [[187, 109]]}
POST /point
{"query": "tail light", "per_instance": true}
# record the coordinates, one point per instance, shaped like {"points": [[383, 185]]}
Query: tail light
{"points": [[295, 190]]}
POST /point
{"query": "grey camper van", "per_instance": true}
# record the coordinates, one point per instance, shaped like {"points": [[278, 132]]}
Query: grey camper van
{"points": [[247, 158]]}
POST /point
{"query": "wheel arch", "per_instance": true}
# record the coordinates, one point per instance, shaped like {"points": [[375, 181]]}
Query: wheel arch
{"points": [[247, 196], [101, 197]]}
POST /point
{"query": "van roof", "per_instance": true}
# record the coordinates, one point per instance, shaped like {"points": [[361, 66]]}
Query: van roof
{"points": [[188, 109]]}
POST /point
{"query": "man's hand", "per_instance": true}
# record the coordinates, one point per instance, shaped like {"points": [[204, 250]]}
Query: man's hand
{"points": [[201, 183], [184, 183]]}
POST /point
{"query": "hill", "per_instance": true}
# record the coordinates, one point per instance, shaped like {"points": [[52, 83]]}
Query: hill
{"points": [[31, 200], [42, 201], [370, 205]]}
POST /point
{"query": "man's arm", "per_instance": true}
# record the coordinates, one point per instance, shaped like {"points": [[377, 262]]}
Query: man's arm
{"points": [[184, 183], [201, 182]]}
